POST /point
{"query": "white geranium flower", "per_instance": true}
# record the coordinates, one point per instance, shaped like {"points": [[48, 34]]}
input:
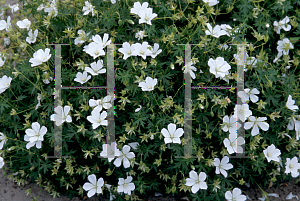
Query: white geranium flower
{"points": [[255, 123], [227, 28], [293, 121], [24, 24], [242, 112], [46, 81], [134, 145], [93, 49], [32, 37], [138, 109], [211, 2], [149, 84], [4, 83], [140, 35], [62, 115], [247, 93], [146, 16], [97, 39], [284, 46], [39, 57], [1, 162], [189, 69], [141, 50], [82, 77], [196, 181], [98, 119], [215, 32], [172, 135], [3, 140], [101, 103], [292, 166], [271, 153], [51, 8], [5, 25], [155, 50], [93, 186], [127, 50], [14, 7], [88, 8], [124, 156], [110, 151], [96, 68], [126, 185], [219, 67], [283, 24], [35, 136], [83, 37], [6, 42], [233, 144], [231, 124], [137, 7], [236, 195], [291, 104], [223, 165]]}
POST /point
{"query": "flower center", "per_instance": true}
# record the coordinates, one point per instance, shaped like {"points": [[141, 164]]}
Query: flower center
{"points": [[99, 120], [146, 18], [83, 79], [44, 58], [149, 87], [142, 52], [129, 52], [96, 52], [6, 84], [220, 166], [269, 154], [124, 185], [291, 166]]}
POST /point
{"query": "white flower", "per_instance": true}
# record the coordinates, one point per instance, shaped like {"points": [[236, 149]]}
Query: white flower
{"points": [[126, 50], [82, 77], [227, 28], [290, 196], [146, 16], [271, 153], [41, 7], [137, 7], [189, 69], [283, 24], [255, 122], [284, 46], [140, 35], [1, 162], [291, 104], [2, 60], [236, 195], [88, 8], [224, 47], [97, 39], [3, 140], [5, 25], [96, 68], [112, 197], [242, 112], [93, 49], [24, 24], [138, 109], [61, 115], [32, 37], [219, 67], [6, 42], [224, 165], [211, 2], [232, 125], [39, 97], [101, 103], [94, 186], [51, 9], [83, 37], [98, 119], [125, 185], [297, 129], [124, 156], [39, 57], [4, 83], [215, 32], [35, 136], [149, 84], [134, 145], [233, 143], [244, 95], [141, 50], [172, 135], [293, 121], [197, 182], [292, 166], [110, 151], [14, 7], [155, 50], [46, 81]]}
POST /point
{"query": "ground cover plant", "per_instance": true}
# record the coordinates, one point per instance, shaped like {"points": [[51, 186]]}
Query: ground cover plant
{"points": [[149, 100]]}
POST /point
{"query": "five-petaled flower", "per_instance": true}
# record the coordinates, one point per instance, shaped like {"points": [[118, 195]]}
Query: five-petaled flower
{"points": [[231, 124], [223, 165], [255, 123], [62, 115], [110, 151], [96, 68], [247, 93], [233, 144], [127, 50], [292, 166], [4, 83], [88, 8], [215, 32], [35, 136], [125, 185], [82, 77], [124, 156], [98, 118], [146, 16], [291, 104], [271, 153], [32, 37], [196, 181], [93, 186], [283, 24], [236, 195], [141, 50], [149, 84], [219, 67], [39, 57], [24, 24], [172, 135], [242, 112], [101, 103], [188, 68]]}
